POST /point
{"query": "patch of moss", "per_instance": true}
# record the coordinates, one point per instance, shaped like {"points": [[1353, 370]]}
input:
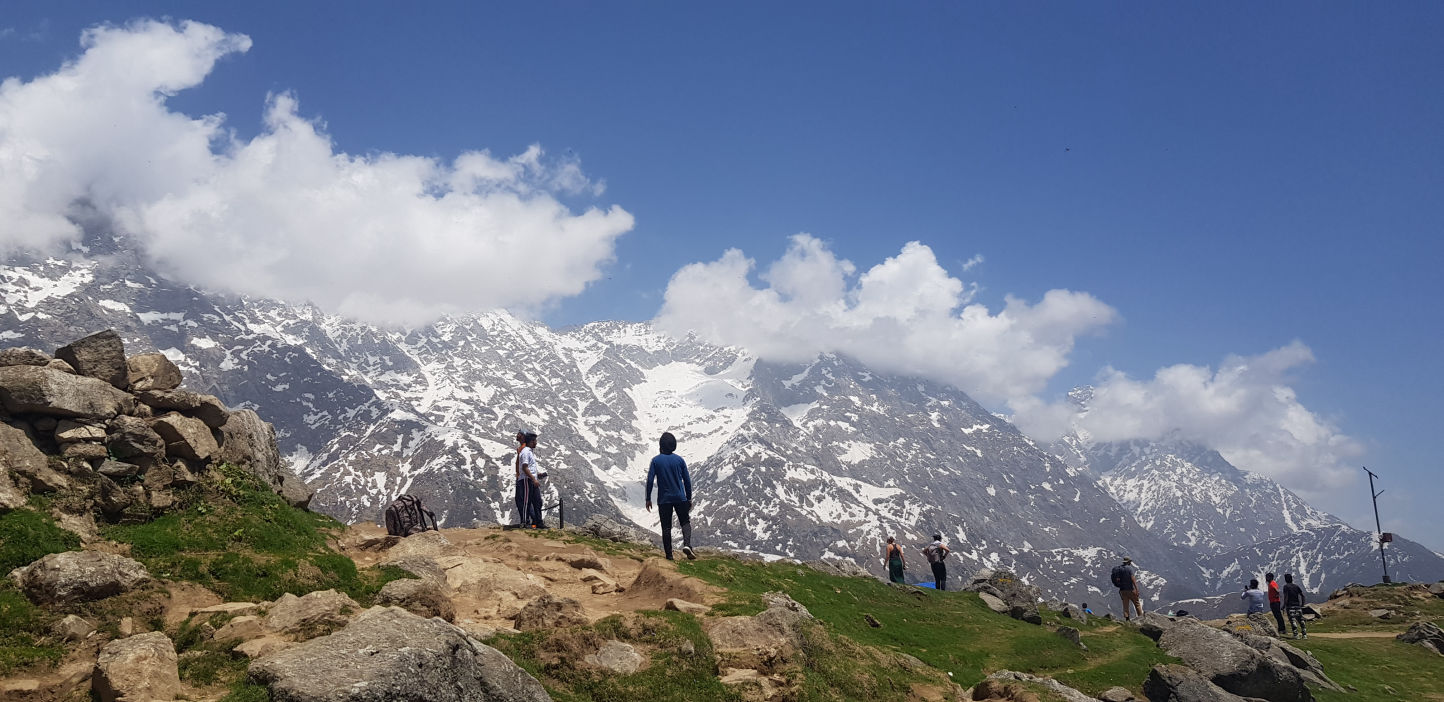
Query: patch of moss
{"points": [[26, 535]]}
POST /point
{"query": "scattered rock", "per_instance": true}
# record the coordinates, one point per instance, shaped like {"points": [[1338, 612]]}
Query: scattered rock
{"points": [[692, 608], [550, 612], [1074, 612], [426, 543], [1233, 665], [1067, 693], [315, 614], [1117, 694], [131, 438], [765, 642], [241, 628], [206, 408], [1177, 683], [100, 356], [1426, 634], [73, 628], [141, 667], [79, 576], [250, 442], [1381, 613], [152, 371], [262, 646], [1026, 612], [994, 603], [85, 451], [419, 566], [584, 561], [11, 496], [601, 583], [27, 465], [423, 598], [1304, 662], [126, 627], [235, 608], [390, 654], [610, 529], [1437, 589], [617, 657], [872, 621], [843, 567], [1153, 625], [117, 469], [35, 390], [185, 437], [1071, 634], [23, 357], [71, 430]]}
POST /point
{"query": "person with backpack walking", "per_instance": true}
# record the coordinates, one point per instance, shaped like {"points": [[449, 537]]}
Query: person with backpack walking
{"points": [[674, 494], [895, 561], [1294, 602], [1125, 578], [1276, 602], [526, 482], [936, 553]]}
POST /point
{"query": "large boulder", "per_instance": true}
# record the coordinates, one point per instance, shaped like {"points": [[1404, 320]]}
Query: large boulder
{"points": [[37, 390], [79, 576], [550, 612], [11, 496], [1426, 634], [390, 655], [1020, 597], [138, 668], [73, 430], [152, 371], [609, 529], [185, 437], [423, 598], [311, 615], [23, 357], [1177, 683], [1232, 664], [132, 439], [100, 356], [766, 642], [206, 408], [1303, 661], [1067, 694], [617, 657], [250, 442], [27, 464]]}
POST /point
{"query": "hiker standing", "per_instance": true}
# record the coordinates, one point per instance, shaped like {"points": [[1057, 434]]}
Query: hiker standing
{"points": [[1125, 578], [539, 482], [1276, 602], [936, 553], [674, 493], [526, 483], [1294, 602], [894, 560], [1256, 599]]}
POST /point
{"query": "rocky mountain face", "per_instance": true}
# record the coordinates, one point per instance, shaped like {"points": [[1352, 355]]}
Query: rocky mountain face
{"points": [[1240, 524], [816, 460]]}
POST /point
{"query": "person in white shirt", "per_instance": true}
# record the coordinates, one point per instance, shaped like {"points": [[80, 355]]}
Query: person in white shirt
{"points": [[526, 480], [538, 474]]}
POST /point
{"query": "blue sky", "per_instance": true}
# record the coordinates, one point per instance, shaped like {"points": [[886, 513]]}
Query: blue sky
{"points": [[1227, 181]]}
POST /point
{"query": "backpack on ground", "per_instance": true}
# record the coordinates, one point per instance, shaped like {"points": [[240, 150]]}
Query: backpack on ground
{"points": [[1120, 576], [405, 516]]}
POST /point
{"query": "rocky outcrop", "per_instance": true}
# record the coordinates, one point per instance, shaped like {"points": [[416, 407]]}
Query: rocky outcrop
{"points": [[23, 357], [1308, 666], [1177, 683], [79, 576], [1020, 598], [550, 612], [609, 529], [250, 442], [390, 655], [137, 668], [1426, 634], [617, 657], [424, 598], [44, 391], [1068, 694], [152, 371], [185, 437], [765, 642], [311, 615], [1232, 664], [100, 356]]}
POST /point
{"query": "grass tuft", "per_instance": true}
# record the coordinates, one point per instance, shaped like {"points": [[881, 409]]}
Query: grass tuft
{"points": [[27, 535]]}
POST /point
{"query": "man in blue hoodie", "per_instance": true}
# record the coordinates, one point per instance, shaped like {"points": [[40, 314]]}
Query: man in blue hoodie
{"points": [[674, 493]]}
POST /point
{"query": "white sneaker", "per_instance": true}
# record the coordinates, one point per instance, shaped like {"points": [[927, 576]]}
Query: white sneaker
{"points": [[687, 551]]}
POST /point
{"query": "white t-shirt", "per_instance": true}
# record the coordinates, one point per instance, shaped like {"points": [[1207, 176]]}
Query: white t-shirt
{"points": [[528, 464]]}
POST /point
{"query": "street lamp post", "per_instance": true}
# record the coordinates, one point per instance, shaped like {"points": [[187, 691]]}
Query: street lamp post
{"points": [[1378, 530]]}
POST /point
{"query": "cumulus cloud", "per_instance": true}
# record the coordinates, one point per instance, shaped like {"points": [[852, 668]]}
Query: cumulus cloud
{"points": [[381, 237], [905, 315], [1245, 409]]}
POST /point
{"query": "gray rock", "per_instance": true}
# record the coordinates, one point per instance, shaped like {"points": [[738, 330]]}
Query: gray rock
{"points": [[1067, 693], [140, 667], [250, 442], [424, 598], [390, 655], [85, 451], [1071, 634], [185, 437], [604, 527], [994, 603], [311, 615], [1026, 612], [11, 496], [23, 357], [1117, 694], [26, 463], [1177, 683], [100, 356], [206, 408], [1074, 612], [1233, 665], [132, 439], [35, 390], [73, 628], [1381, 613], [1426, 634], [1153, 625], [617, 657], [1304, 662], [56, 364], [79, 576], [1021, 598], [1437, 589], [68, 430], [550, 612], [152, 371]]}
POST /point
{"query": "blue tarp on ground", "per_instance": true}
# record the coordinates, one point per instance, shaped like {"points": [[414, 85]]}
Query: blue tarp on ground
{"points": [[932, 585]]}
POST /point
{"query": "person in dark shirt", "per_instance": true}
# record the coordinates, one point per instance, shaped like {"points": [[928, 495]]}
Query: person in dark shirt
{"points": [[1294, 602], [674, 494]]}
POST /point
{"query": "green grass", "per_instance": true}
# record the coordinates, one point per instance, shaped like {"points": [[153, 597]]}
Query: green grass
{"points": [[26, 535], [1406, 603], [1369, 664], [22, 643], [236, 537], [951, 631]]}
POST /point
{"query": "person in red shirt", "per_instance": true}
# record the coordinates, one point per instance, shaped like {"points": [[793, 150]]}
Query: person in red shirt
{"points": [[1276, 602]]}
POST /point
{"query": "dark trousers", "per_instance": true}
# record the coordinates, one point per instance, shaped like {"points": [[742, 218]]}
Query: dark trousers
{"points": [[534, 506], [684, 518], [940, 575], [1278, 614], [523, 501]]}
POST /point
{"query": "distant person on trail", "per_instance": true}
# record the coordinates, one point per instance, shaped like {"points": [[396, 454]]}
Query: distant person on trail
{"points": [[526, 482], [674, 493], [1294, 602], [937, 553], [1085, 609], [1276, 602], [1256, 599], [1125, 578], [893, 558]]}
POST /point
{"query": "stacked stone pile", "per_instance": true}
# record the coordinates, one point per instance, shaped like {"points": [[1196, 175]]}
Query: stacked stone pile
{"points": [[115, 435]]}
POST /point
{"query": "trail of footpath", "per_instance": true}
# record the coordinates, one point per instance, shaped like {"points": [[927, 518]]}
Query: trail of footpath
{"points": [[1354, 634]]}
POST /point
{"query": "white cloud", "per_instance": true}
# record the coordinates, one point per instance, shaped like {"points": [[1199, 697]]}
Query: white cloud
{"points": [[973, 262], [1244, 409], [905, 315], [380, 237]]}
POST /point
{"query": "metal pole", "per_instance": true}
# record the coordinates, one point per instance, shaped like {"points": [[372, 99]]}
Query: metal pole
{"points": [[1378, 529]]}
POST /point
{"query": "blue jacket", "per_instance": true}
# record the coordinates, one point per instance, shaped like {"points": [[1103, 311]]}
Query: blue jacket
{"points": [[674, 484]]}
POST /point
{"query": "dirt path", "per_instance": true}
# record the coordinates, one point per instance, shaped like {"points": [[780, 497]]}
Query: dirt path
{"points": [[1354, 634]]}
